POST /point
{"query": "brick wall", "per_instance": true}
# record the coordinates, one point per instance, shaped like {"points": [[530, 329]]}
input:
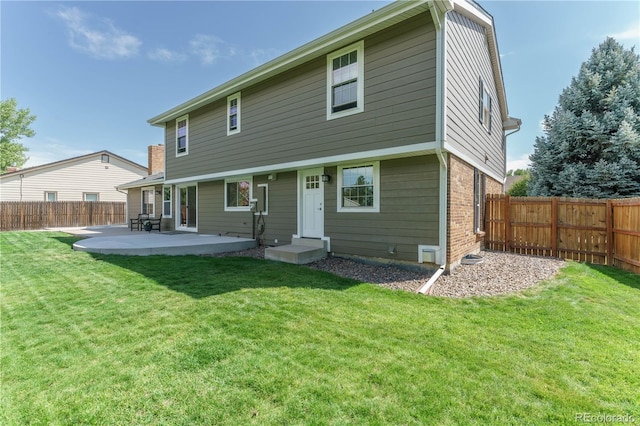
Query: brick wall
{"points": [[461, 236], [155, 159]]}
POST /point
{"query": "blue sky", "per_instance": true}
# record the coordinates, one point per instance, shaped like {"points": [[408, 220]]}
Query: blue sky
{"points": [[94, 72]]}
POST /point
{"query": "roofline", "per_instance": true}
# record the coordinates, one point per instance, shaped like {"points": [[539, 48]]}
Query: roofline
{"points": [[151, 180], [475, 12], [368, 24], [72, 159]]}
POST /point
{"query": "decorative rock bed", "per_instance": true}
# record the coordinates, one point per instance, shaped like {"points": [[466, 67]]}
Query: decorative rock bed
{"points": [[498, 273]]}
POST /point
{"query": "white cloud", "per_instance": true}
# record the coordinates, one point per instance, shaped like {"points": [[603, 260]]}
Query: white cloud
{"points": [[631, 34], [521, 162], [97, 37], [207, 47], [48, 150], [261, 56], [165, 55]]}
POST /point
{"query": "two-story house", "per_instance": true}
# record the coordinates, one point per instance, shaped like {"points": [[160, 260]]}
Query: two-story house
{"points": [[380, 138]]}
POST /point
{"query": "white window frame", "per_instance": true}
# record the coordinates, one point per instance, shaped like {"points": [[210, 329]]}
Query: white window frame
{"points": [[152, 199], [484, 106], [376, 188], [84, 196], [230, 98], [186, 143], [170, 201], [359, 47], [55, 196], [247, 208]]}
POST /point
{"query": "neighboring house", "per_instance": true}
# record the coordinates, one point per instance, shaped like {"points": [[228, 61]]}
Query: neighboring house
{"points": [[147, 195], [380, 138], [91, 177]]}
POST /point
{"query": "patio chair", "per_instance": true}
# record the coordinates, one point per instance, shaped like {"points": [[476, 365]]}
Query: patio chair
{"points": [[138, 221], [153, 223]]}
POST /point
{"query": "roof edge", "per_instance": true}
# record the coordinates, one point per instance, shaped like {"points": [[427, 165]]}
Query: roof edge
{"points": [[322, 45]]}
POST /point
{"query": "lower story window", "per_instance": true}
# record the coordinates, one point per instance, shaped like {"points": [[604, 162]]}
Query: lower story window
{"points": [[166, 201], [148, 201], [90, 196], [359, 188], [237, 194], [51, 196], [479, 194]]}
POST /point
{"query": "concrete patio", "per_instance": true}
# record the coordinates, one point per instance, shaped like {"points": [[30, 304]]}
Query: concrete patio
{"points": [[120, 240]]}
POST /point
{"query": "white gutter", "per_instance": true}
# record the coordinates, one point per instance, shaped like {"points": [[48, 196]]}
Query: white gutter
{"points": [[441, 128]]}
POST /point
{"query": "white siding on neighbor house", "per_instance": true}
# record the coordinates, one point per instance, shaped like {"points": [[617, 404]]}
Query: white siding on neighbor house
{"points": [[70, 180]]}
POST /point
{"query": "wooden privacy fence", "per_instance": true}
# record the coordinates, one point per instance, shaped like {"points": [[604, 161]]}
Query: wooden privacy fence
{"points": [[605, 232], [29, 215]]}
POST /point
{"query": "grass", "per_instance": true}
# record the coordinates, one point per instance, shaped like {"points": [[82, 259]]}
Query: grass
{"points": [[97, 339]]}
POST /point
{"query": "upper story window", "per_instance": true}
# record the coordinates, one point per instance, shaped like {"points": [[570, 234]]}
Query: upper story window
{"points": [[345, 81], [182, 135], [359, 188], [233, 114], [105, 158], [484, 103]]}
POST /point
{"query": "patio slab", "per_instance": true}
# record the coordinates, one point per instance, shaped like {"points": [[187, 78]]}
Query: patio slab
{"points": [[144, 244]]}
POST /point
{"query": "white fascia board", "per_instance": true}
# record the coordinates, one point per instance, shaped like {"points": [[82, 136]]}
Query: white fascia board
{"points": [[373, 22], [477, 14], [413, 150]]}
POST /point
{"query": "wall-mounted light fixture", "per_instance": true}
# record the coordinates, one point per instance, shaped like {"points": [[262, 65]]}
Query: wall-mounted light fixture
{"points": [[326, 178]]}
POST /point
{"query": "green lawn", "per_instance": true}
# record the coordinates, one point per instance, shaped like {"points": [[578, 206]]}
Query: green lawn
{"points": [[96, 339]]}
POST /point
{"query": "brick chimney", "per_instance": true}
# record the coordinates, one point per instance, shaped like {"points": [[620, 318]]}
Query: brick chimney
{"points": [[11, 169], [156, 159]]}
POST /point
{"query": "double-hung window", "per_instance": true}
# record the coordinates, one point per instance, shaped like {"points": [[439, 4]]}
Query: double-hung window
{"points": [[166, 201], [359, 188], [237, 194], [182, 135], [148, 201], [345, 81], [233, 114], [484, 106]]}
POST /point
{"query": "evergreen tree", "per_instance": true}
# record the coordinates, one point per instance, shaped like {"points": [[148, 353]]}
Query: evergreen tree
{"points": [[591, 146]]}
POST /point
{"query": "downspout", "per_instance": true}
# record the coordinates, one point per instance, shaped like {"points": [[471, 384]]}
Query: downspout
{"points": [[439, 20], [126, 209]]}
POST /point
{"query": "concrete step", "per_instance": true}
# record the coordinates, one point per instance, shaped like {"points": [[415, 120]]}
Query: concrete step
{"points": [[309, 242], [295, 253]]}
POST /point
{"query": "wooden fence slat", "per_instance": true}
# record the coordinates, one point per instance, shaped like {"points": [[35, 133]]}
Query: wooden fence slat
{"points": [[597, 231], [32, 215]]}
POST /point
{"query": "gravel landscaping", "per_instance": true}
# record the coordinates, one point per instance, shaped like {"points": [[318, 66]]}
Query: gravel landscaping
{"points": [[499, 273]]}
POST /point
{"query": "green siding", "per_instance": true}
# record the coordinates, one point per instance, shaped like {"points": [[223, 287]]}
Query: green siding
{"points": [[408, 214], [284, 118]]}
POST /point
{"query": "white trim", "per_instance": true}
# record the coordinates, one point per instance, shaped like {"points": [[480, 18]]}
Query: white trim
{"points": [[301, 188], [238, 114], [382, 18], [359, 47], [84, 196], [266, 199], [186, 144], [153, 199], [46, 196], [170, 215], [234, 180], [178, 205], [424, 148], [472, 161], [376, 189]]}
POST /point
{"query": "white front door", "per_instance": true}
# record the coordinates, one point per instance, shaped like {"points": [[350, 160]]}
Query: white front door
{"points": [[312, 205]]}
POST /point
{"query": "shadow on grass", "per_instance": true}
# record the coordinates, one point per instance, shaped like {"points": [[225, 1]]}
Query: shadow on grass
{"points": [[200, 276], [623, 277]]}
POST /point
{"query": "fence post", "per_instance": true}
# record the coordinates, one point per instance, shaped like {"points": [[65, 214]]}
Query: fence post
{"points": [[554, 227], [610, 236], [507, 223]]}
